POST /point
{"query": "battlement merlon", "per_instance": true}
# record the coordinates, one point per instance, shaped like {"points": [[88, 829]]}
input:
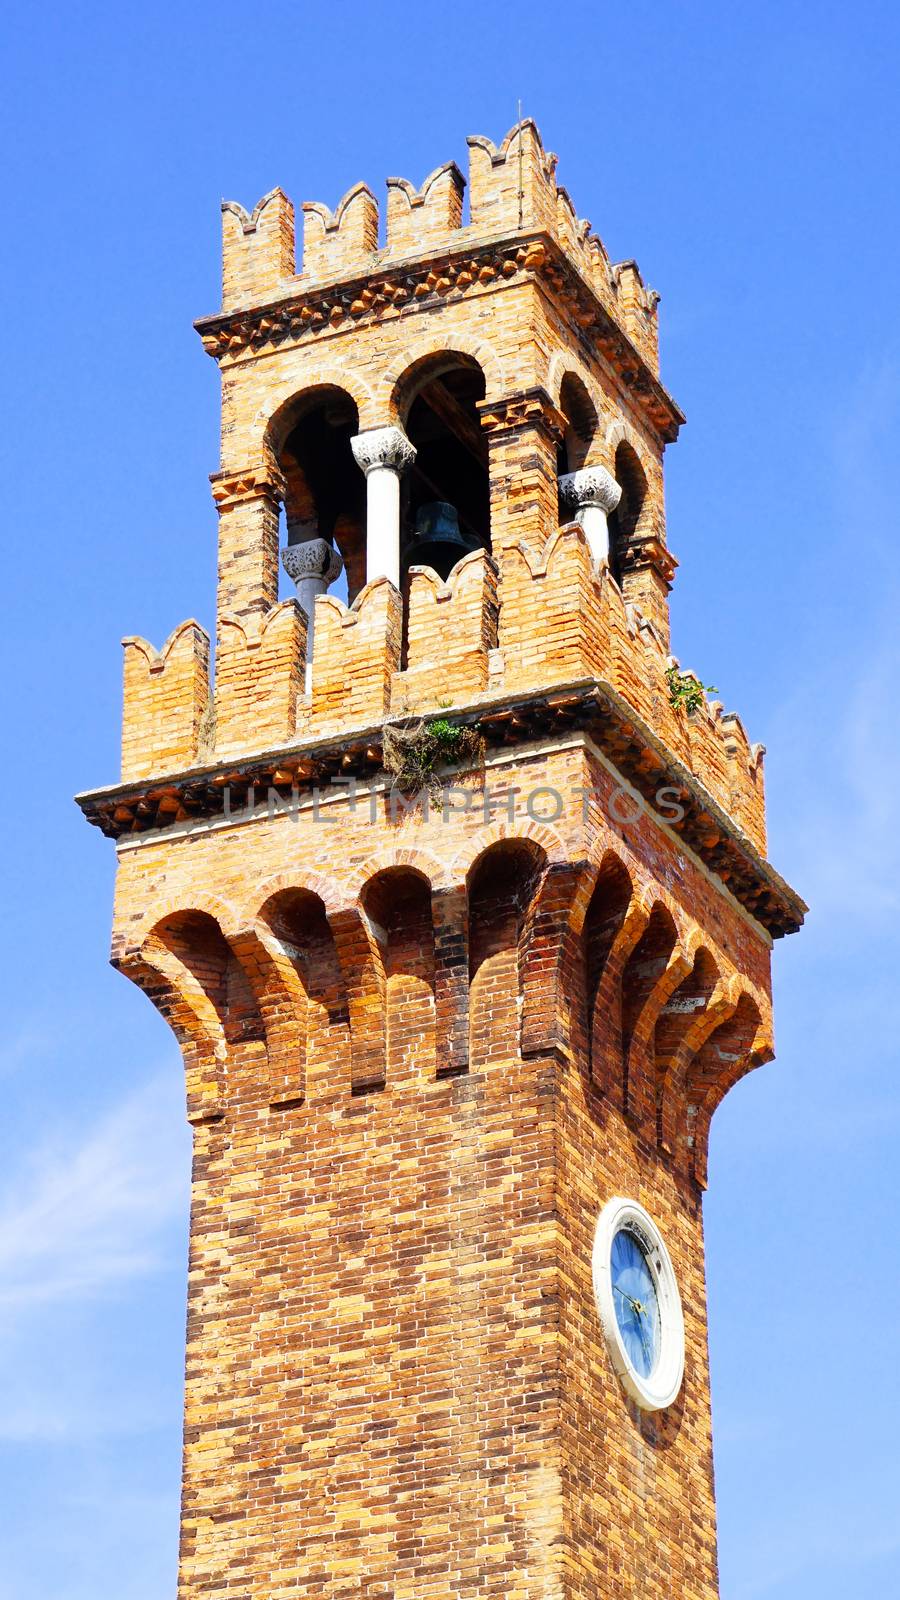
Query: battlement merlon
{"points": [[513, 195]]}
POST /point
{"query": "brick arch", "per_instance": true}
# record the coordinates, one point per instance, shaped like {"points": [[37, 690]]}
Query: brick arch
{"points": [[301, 974], [432, 349], [271, 980], [657, 965], [282, 1003], [286, 413], [616, 916], [180, 999], [215, 953], [550, 946], [428, 865], [566, 363], [741, 1042], [711, 994], [619, 432], [500, 901], [307, 380], [328, 890], [542, 834], [222, 911], [397, 902]]}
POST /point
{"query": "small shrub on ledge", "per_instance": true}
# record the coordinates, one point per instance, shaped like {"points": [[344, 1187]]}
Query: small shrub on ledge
{"points": [[414, 756], [687, 693]]}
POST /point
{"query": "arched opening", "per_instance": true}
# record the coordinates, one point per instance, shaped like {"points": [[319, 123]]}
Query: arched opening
{"points": [[627, 519], [325, 492], [397, 902], [446, 506], [197, 940], [580, 416], [678, 1019], [500, 888]]}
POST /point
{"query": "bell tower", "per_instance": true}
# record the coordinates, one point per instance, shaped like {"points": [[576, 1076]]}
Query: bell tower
{"points": [[453, 888]]}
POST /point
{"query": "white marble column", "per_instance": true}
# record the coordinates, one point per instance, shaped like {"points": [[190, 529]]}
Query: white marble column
{"points": [[593, 493], [383, 454], [313, 565]]}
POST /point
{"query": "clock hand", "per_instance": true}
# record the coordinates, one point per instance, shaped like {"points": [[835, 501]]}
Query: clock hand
{"points": [[637, 1306], [634, 1304]]}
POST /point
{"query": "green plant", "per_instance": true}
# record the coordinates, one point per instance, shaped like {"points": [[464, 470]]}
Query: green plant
{"points": [[414, 756], [686, 692]]}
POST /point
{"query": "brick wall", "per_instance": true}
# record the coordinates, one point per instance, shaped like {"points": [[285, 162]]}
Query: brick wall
{"points": [[422, 1050]]}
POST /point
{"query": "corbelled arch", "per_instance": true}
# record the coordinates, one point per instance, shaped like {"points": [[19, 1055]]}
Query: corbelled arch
{"points": [[695, 1009], [542, 834], [397, 902], [226, 912], [180, 999], [425, 862], [742, 1042], [327, 889], [501, 884], [294, 927]]}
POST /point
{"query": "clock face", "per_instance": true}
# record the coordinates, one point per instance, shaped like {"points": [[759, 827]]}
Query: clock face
{"points": [[639, 1304], [636, 1302]]}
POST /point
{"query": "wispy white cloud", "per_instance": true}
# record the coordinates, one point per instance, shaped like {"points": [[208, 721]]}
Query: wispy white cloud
{"points": [[79, 1217]]}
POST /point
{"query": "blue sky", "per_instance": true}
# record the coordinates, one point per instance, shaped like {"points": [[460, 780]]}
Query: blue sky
{"points": [[747, 157]]}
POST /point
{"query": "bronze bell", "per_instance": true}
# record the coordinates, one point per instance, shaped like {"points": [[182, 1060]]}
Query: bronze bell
{"points": [[437, 540]]}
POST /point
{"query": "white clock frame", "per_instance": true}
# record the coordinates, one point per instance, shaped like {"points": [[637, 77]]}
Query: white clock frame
{"points": [[657, 1391]]}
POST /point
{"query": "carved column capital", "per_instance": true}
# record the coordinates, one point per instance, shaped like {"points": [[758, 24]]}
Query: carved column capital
{"points": [[383, 447], [315, 558], [591, 486]]}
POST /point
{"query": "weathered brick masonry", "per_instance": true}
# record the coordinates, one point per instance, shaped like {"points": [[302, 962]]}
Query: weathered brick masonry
{"points": [[424, 1047]]}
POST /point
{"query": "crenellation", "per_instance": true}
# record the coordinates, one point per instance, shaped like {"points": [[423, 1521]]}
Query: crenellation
{"points": [[260, 666], [165, 701], [427, 216], [356, 652], [341, 242], [454, 623], [513, 185], [585, 250], [638, 310], [258, 250]]}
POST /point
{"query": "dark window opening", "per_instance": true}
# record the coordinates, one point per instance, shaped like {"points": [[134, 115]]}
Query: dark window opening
{"points": [[325, 493], [446, 501]]}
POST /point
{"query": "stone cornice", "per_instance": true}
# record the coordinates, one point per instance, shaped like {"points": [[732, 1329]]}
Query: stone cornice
{"points": [[506, 722], [475, 265]]}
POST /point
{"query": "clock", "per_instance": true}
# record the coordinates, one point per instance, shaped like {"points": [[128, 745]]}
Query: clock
{"points": [[639, 1305]]}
